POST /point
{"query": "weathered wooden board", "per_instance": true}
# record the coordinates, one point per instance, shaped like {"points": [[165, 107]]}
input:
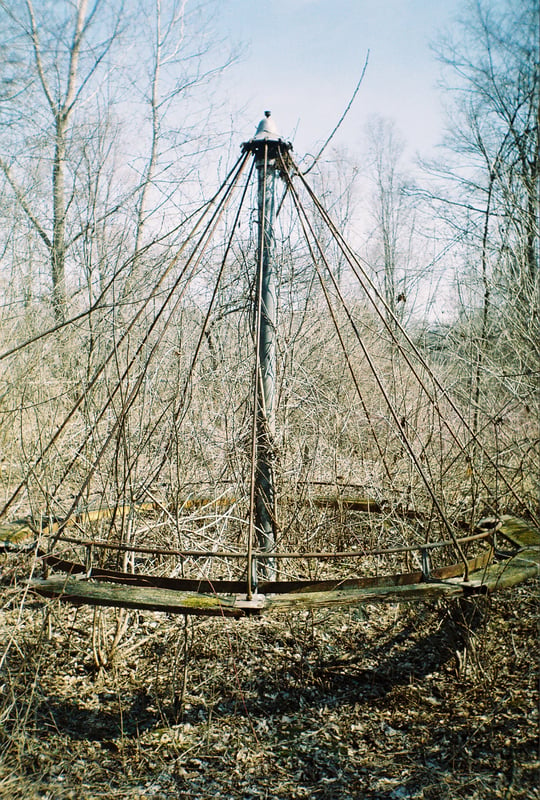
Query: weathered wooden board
{"points": [[512, 571], [522, 566], [483, 578], [22, 534], [347, 503], [224, 587], [17, 535], [519, 532], [350, 597], [148, 598]]}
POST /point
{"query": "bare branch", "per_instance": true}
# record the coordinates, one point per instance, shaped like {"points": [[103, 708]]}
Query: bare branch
{"points": [[37, 56], [21, 199], [341, 119]]}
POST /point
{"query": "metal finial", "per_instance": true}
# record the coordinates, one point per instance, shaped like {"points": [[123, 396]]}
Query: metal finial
{"points": [[266, 132], [267, 128]]}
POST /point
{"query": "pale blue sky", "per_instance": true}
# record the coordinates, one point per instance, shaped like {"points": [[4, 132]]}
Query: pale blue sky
{"points": [[304, 58]]}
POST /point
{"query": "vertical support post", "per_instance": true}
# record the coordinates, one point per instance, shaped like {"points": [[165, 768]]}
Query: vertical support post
{"points": [[269, 151], [266, 367]]}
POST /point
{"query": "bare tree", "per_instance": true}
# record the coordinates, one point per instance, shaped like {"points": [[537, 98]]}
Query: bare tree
{"points": [[100, 105], [392, 210], [485, 189], [62, 61], [492, 168]]}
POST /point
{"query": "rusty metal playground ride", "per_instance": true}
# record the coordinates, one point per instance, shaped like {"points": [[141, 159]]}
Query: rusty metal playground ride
{"points": [[190, 485]]}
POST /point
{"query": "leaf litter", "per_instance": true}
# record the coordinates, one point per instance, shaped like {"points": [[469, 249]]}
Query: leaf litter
{"points": [[433, 702]]}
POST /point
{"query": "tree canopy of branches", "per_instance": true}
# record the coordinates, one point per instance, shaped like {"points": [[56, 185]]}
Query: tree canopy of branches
{"points": [[492, 80], [100, 103]]}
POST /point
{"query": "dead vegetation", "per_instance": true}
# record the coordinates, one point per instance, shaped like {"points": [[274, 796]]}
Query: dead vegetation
{"points": [[427, 702], [435, 702]]}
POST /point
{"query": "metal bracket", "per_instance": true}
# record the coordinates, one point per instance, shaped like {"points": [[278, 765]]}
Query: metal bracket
{"points": [[426, 564], [256, 603]]}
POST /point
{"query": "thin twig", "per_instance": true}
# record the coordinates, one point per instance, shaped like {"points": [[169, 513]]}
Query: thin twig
{"points": [[340, 121]]}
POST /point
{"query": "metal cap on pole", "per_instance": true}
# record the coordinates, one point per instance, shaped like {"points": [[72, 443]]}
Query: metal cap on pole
{"points": [[267, 133]]}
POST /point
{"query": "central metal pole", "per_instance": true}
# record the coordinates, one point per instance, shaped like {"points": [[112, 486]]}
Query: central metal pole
{"points": [[265, 522], [270, 153]]}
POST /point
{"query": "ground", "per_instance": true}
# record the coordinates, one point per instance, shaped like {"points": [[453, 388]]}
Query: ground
{"points": [[382, 702]]}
